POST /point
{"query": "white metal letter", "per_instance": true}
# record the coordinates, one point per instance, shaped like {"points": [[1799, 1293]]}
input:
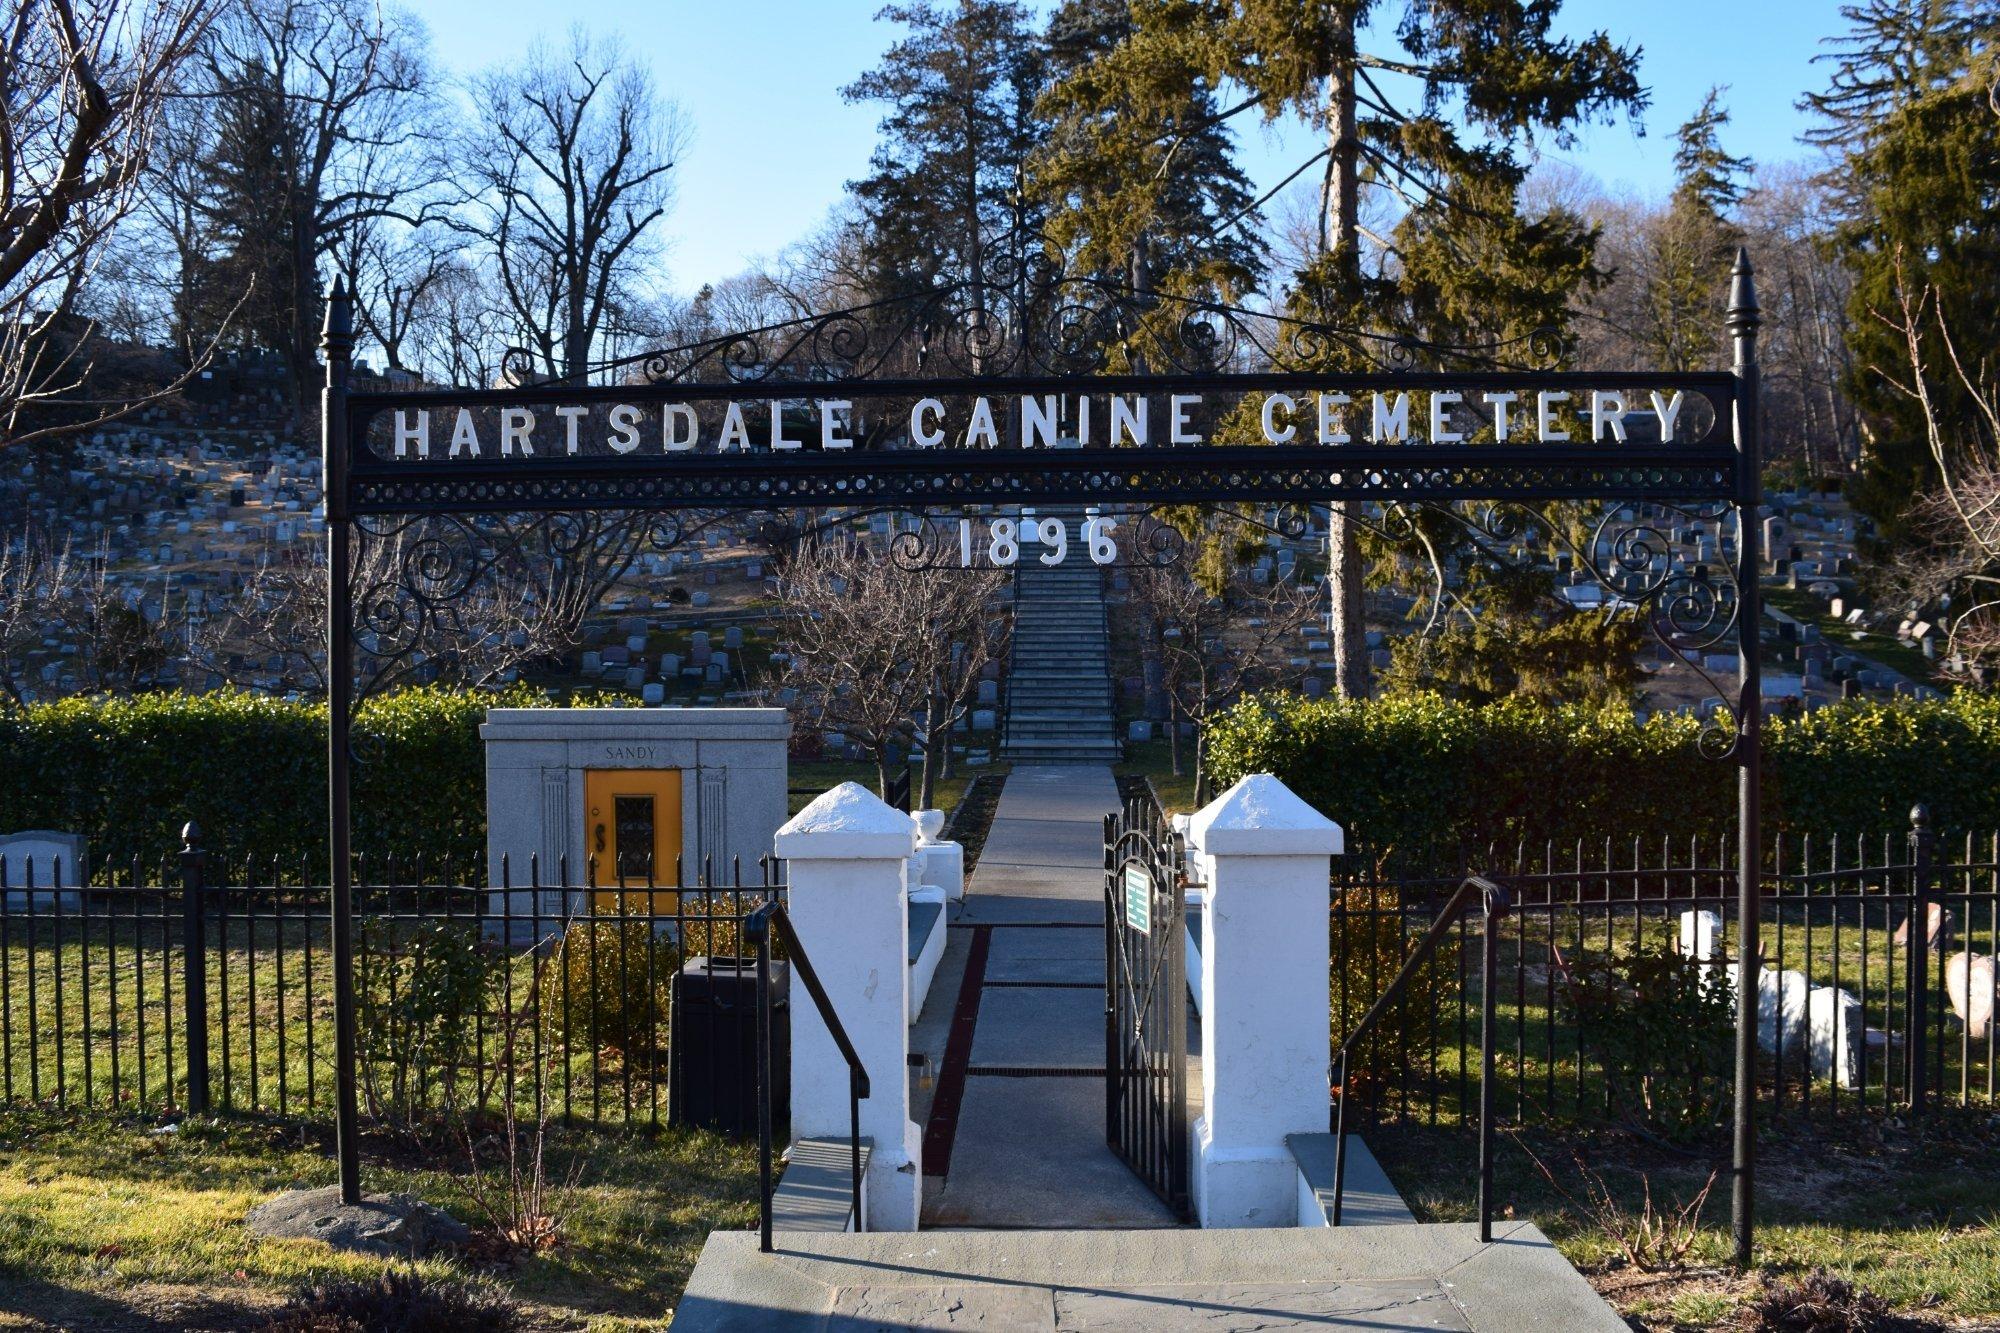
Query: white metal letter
{"points": [[926, 439], [624, 421], [1272, 434], [829, 436], [1441, 431], [516, 423], [1392, 423], [1129, 420], [570, 416], [419, 435], [1545, 416]]}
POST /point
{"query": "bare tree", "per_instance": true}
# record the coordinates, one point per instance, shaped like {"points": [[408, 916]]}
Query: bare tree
{"points": [[883, 652], [356, 85], [121, 648], [565, 176], [1957, 575], [465, 600], [82, 88], [35, 574], [398, 273], [1213, 647]]}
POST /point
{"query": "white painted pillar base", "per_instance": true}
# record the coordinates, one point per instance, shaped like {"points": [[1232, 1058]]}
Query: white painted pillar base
{"points": [[849, 902], [1264, 953]]}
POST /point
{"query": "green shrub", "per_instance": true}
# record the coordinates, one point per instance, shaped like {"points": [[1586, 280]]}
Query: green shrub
{"points": [[128, 772], [1424, 776], [616, 978], [422, 989], [1663, 1026]]}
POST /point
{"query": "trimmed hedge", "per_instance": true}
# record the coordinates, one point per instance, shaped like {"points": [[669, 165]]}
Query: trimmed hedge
{"points": [[1421, 772], [251, 771]]}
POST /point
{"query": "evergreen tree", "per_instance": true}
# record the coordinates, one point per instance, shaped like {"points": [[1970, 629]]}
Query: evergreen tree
{"points": [[249, 203], [944, 184], [1694, 244], [1138, 169], [1491, 77], [1907, 111]]}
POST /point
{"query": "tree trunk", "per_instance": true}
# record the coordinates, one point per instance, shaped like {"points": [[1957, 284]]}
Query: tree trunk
{"points": [[1344, 573], [930, 752], [1174, 735], [881, 754]]}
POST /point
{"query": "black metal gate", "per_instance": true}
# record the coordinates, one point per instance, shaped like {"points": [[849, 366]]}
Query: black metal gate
{"points": [[1145, 1000]]}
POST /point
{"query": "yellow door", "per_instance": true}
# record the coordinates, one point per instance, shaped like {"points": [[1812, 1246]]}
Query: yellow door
{"points": [[633, 825]]}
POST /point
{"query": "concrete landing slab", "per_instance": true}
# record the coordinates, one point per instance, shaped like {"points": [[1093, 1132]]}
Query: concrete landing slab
{"points": [[1031, 1154], [1384, 1277], [1040, 1026]]}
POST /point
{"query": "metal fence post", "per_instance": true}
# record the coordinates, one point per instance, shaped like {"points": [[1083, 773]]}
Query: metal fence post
{"points": [[1916, 961], [194, 967]]}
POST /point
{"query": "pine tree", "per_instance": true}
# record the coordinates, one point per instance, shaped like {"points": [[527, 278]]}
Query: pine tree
{"points": [[944, 184], [1908, 112], [1492, 77], [1693, 244], [1138, 169], [249, 205]]}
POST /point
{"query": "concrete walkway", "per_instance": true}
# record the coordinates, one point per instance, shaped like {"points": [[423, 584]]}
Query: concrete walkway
{"points": [[1388, 1277], [1014, 1129]]}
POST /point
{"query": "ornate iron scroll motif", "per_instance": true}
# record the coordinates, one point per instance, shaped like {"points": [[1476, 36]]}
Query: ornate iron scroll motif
{"points": [[1026, 315], [431, 585], [1633, 552]]}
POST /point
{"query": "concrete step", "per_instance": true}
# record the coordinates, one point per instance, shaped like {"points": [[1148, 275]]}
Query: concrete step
{"points": [[1412, 1276]]}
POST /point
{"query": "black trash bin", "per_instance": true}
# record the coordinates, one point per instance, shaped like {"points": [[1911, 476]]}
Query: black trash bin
{"points": [[712, 1062]]}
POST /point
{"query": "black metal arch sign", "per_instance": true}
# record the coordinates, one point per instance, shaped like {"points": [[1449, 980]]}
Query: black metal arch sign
{"points": [[1113, 440], [1027, 386]]}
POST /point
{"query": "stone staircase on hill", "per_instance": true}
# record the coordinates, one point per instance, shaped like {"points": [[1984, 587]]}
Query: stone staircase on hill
{"points": [[1059, 703]]}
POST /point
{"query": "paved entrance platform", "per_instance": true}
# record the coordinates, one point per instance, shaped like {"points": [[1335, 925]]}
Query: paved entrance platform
{"points": [[1383, 1277], [1014, 1131]]}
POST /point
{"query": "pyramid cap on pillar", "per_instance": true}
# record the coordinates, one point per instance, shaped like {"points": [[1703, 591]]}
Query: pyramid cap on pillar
{"points": [[848, 823], [1261, 816]]}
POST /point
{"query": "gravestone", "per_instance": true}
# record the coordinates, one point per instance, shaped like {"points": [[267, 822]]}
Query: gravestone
{"points": [[43, 868]]}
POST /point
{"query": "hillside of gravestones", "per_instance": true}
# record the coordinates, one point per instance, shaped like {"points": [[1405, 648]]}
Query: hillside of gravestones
{"points": [[185, 503]]}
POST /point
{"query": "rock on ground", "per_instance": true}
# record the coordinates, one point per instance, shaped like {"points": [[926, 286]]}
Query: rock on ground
{"points": [[394, 1226]]}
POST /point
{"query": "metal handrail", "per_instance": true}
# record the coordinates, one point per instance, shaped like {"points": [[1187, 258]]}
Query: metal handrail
{"points": [[1495, 901], [757, 927]]}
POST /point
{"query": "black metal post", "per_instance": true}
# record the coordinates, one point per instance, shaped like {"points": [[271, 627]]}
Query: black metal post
{"points": [[337, 343], [1340, 1144], [194, 967], [1488, 1034], [1916, 963], [756, 927], [1743, 320]]}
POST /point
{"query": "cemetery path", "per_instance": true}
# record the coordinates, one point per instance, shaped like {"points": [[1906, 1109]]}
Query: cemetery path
{"points": [[1014, 1135]]}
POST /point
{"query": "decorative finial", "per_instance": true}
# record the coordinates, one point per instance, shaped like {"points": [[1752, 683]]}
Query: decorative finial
{"points": [[1920, 815], [1744, 314], [339, 326]]}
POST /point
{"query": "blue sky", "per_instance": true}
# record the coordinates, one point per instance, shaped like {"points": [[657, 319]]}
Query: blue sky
{"points": [[774, 143]]}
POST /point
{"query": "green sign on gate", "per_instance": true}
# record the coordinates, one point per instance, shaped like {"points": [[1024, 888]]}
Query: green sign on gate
{"points": [[1138, 898]]}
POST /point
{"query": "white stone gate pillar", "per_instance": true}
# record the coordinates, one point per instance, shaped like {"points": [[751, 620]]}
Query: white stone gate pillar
{"points": [[849, 903], [1263, 853]]}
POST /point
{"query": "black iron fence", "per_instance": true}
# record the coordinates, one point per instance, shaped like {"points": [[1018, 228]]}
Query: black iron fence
{"points": [[1616, 977], [200, 987]]}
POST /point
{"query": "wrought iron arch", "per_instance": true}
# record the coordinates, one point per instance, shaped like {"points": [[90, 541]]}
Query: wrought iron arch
{"points": [[1027, 331]]}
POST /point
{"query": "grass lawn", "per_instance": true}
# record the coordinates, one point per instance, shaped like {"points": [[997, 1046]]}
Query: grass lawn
{"points": [[109, 1223], [1885, 648], [811, 777], [1909, 1211], [1154, 759]]}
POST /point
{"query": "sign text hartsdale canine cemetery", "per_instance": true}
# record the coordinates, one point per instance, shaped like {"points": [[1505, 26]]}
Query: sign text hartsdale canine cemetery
{"points": [[1436, 416]]}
